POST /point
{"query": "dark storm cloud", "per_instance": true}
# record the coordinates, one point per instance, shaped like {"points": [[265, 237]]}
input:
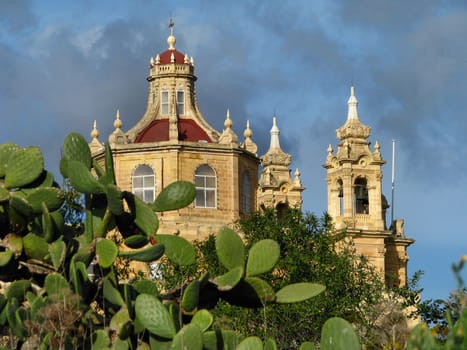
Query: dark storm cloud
{"points": [[65, 64], [17, 15]]}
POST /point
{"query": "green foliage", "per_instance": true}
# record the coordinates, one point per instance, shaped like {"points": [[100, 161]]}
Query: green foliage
{"points": [[295, 292], [154, 316], [307, 253], [63, 284], [449, 331], [230, 249]]}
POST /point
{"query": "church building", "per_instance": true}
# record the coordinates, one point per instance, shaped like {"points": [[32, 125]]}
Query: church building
{"points": [[173, 141]]}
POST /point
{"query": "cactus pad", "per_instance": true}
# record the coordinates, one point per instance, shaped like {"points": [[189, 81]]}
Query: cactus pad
{"points": [[106, 251], [230, 248], [178, 249], [6, 150], [203, 319], [136, 241], [298, 292], [262, 257], [250, 343], [4, 194], [121, 323], [76, 148], [188, 338], [190, 297], [144, 216], [35, 246], [262, 289], [154, 316], [114, 199], [23, 167], [228, 338], [55, 283], [177, 195], [18, 289], [20, 204], [82, 179], [146, 286], [5, 257], [337, 333], [146, 255], [230, 279], [51, 196]]}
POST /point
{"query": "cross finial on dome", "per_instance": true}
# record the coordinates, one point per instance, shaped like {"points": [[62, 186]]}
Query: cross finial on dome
{"points": [[171, 39], [171, 26]]}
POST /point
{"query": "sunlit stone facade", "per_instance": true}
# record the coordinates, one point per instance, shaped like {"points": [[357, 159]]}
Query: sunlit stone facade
{"points": [[356, 202]]}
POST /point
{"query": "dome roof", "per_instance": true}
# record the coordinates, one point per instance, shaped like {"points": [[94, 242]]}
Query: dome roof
{"points": [[158, 130], [166, 57]]}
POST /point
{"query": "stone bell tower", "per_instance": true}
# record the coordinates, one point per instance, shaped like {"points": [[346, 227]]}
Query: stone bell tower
{"points": [[356, 202]]}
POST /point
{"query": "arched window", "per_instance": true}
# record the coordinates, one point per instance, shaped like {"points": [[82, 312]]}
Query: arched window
{"points": [[206, 187], [361, 196], [143, 183], [246, 193], [340, 194]]}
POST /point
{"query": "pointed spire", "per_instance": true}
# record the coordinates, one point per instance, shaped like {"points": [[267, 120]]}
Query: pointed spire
{"points": [[95, 144], [228, 121], [172, 58], [248, 133], [297, 181], [117, 136], [330, 150], [228, 135], [95, 133], [158, 59], [248, 144], [353, 127], [186, 60], [352, 113], [117, 123], [274, 135], [377, 152], [192, 61], [151, 61], [275, 155]]}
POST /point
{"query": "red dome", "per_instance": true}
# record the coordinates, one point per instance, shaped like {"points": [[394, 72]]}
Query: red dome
{"points": [[158, 130], [165, 57]]}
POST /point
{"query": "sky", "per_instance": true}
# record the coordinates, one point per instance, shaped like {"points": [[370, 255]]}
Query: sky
{"points": [[65, 64]]}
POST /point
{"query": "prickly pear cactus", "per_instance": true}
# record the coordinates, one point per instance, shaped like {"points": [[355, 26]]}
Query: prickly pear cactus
{"points": [[61, 284]]}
